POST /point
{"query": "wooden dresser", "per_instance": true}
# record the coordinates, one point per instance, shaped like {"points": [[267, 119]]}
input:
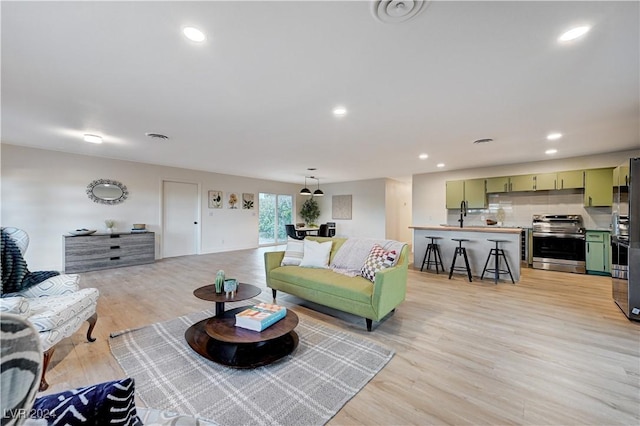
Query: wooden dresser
{"points": [[104, 251]]}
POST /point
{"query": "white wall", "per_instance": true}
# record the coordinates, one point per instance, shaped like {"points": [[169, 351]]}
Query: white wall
{"points": [[429, 193], [43, 192], [368, 207]]}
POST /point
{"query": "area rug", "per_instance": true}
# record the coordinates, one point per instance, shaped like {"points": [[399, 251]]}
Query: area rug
{"points": [[308, 387]]}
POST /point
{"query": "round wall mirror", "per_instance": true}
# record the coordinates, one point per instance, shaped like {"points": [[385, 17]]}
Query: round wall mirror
{"points": [[107, 191]]}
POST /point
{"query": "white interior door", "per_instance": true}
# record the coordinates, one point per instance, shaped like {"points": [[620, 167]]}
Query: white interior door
{"points": [[180, 219]]}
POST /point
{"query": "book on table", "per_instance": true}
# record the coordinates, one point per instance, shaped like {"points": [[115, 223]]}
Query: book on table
{"points": [[259, 317]]}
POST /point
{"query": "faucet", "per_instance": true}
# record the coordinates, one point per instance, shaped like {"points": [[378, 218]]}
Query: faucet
{"points": [[463, 212]]}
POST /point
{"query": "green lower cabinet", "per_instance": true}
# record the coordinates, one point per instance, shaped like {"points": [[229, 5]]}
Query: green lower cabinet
{"points": [[598, 249]]}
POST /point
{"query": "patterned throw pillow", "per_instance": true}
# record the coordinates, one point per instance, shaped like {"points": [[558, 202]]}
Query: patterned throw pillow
{"points": [[294, 252], [377, 260], [110, 403]]}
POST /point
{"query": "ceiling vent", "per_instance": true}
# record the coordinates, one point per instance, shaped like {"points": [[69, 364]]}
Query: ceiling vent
{"points": [[486, 140], [396, 11], [157, 136]]}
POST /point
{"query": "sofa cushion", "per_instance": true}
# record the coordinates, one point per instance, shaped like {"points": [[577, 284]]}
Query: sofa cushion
{"points": [[294, 252], [48, 313], [337, 243], [16, 305], [316, 255], [326, 281], [377, 260], [110, 403]]}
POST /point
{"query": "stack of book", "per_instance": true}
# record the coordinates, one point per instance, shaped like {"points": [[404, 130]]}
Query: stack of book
{"points": [[259, 317]]}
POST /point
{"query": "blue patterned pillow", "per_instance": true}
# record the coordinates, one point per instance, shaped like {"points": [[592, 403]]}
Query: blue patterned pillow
{"points": [[110, 403]]}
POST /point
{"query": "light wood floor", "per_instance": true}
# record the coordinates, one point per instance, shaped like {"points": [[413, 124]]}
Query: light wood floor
{"points": [[552, 349]]}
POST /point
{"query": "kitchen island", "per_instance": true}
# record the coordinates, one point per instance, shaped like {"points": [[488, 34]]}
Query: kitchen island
{"points": [[478, 247]]}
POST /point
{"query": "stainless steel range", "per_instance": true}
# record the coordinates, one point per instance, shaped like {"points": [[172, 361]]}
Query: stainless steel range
{"points": [[558, 243]]}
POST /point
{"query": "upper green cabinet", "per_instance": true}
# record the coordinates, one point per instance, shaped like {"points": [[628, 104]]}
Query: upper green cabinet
{"points": [[621, 175], [573, 179], [598, 191], [472, 191], [522, 183], [455, 193], [475, 194], [545, 181], [497, 184]]}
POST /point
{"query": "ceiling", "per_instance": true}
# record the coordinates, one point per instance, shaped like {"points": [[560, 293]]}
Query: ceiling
{"points": [[256, 98]]}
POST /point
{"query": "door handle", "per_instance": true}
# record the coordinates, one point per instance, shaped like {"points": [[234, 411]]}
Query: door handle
{"points": [[195, 223]]}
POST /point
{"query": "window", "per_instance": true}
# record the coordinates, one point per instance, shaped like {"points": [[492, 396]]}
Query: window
{"points": [[274, 212]]}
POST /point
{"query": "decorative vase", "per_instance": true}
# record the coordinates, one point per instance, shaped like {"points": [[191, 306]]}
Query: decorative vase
{"points": [[219, 282]]}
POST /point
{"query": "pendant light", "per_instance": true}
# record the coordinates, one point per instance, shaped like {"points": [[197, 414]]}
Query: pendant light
{"points": [[317, 192], [305, 190]]}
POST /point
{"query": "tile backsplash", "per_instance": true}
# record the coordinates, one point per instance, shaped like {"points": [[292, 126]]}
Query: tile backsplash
{"points": [[517, 209]]}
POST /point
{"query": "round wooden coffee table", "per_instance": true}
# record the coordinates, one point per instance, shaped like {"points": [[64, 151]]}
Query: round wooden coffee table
{"points": [[218, 339]]}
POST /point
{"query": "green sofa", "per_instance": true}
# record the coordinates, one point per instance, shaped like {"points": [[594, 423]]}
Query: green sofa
{"points": [[355, 295]]}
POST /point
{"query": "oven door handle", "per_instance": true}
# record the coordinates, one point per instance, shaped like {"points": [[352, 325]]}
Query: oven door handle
{"points": [[555, 235]]}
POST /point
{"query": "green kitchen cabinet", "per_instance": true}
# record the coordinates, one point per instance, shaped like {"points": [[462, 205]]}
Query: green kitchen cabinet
{"points": [[597, 256], [497, 184], [522, 183], [621, 175], [475, 193], [545, 181], [573, 179], [598, 191], [472, 191], [455, 193]]}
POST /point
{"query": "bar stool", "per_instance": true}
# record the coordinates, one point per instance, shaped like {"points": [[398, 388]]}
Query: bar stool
{"points": [[432, 248], [497, 252], [462, 251]]}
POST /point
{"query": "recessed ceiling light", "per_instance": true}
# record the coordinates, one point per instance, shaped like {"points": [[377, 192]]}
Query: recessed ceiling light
{"points": [[423, 156], [193, 34], [92, 138], [339, 111], [574, 33], [440, 165], [554, 136], [551, 151]]}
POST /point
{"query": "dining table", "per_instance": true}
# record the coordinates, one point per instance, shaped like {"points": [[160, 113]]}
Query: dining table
{"points": [[308, 230]]}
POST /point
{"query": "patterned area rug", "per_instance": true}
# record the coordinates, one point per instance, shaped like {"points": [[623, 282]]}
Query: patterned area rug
{"points": [[307, 387]]}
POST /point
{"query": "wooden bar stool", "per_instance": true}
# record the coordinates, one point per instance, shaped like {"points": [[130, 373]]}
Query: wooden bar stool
{"points": [[497, 253], [432, 248], [462, 251]]}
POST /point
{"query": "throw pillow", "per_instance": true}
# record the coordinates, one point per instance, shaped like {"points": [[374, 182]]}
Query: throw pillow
{"points": [[377, 260], [293, 253], [316, 255], [110, 403]]}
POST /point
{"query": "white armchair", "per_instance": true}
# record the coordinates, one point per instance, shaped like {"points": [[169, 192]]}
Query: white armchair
{"points": [[56, 307]]}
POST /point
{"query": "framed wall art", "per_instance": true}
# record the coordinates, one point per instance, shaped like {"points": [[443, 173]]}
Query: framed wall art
{"points": [[247, 201], [215, 199], [233, 200], [341, 207]]}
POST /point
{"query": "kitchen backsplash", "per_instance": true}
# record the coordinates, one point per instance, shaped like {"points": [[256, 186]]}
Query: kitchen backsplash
{"points": [[517, 209]]}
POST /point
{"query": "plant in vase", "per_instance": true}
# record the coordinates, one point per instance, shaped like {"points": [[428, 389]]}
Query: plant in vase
{"points": [[310, 211], [110, 224]]}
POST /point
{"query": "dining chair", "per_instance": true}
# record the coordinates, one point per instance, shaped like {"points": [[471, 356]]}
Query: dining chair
{"points": [[324, 230], [291, 232]]}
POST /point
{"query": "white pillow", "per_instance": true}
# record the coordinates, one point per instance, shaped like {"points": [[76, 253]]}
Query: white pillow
{"points": [[316, 255], [293, 253]]}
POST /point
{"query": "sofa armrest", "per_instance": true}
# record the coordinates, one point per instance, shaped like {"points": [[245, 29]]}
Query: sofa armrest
{"points": [[272, 260], [390, 286], [54, 286]]}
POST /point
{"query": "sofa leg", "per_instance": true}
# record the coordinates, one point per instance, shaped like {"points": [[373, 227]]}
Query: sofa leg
{"points": [[274, 291], [369, 323], [92, 323], [45, 364]]}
